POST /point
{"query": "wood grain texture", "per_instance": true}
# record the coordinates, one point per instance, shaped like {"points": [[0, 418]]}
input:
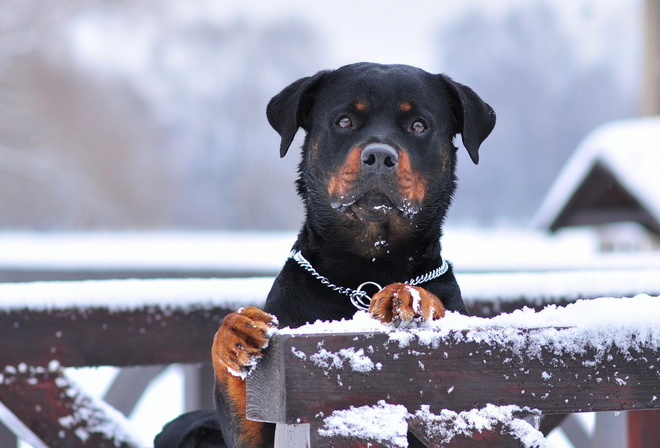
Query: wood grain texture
{"points": [[57, 413], [97, 336], [291, 386]]}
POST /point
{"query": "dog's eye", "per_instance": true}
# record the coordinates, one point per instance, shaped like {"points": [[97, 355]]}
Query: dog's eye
{"points": [[418, 126], [345, 122]]}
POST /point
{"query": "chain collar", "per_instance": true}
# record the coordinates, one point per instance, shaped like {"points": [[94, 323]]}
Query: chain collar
{"points": [[359, 298]]}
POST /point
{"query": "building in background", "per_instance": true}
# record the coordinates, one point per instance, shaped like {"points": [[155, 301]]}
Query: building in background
{"points": [[611, 182]]}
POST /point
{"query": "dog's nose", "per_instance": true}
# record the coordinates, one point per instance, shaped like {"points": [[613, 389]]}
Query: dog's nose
{"points": [[379, 158]]}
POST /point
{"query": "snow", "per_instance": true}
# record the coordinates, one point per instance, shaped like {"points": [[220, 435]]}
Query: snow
{"points": [[388, 423], [629, 324], [629, 149], [119, 295], [490, 265], [264, 253], [224, 252], [544, 287], [639, 312], [380, 423], [356, 360], [90, 415], [129, 294], [537, 287], [449, 424], [517, 249]]}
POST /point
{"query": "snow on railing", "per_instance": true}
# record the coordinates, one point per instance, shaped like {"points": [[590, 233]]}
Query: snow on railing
{"points": [[593, 355], [125, 295]]}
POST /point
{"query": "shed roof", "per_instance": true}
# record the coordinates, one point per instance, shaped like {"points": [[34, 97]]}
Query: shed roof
{"points": [[613, 176]]}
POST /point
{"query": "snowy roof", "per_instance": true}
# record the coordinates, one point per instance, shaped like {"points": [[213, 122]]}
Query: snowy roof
{"points": [[629, 151]]}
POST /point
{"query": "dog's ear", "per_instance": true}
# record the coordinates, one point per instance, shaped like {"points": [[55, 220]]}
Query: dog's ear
{"points": [[476, 119], [289, 110]]}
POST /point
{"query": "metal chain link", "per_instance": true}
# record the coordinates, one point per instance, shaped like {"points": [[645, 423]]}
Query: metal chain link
{"points": [[359, 298]]}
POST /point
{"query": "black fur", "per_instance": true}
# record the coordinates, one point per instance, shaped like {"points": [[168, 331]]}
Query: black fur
{"points": [[345, 236]]}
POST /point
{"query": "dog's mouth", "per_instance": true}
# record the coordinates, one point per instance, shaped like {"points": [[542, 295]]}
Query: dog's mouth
{"points": [[375, 206]]}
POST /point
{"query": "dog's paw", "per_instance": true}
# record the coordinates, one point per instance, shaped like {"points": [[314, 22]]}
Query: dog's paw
{"points": [[239, 342], [402, 305]]}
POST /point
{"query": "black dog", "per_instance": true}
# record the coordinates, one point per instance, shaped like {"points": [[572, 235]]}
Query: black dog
{"points": [[376, 177]]}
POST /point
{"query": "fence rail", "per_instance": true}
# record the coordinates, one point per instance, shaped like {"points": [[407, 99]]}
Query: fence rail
{"points": [[552, 370], [46, 327]]}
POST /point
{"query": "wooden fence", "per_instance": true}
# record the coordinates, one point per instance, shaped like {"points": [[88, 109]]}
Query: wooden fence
{"points": [[486, 379], [40, 339]]}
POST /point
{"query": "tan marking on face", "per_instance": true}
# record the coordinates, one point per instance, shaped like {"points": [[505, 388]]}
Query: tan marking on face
{"points": [[413, 187], [314, 148], [444, 157], [343, 179], [360, 106], [405, 107]]}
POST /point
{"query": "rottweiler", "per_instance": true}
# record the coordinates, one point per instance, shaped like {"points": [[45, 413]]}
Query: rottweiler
{"points": [[377, 176]]}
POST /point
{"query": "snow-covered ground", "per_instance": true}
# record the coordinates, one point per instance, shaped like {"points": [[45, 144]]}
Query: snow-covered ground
{"points": [[230, 253], [226, 252]]}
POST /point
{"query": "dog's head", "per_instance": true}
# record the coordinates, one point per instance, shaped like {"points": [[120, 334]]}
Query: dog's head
{"points": [[379, 156]]}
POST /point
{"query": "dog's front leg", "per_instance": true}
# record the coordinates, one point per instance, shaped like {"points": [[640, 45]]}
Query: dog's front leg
{"points": [[237, 347]]}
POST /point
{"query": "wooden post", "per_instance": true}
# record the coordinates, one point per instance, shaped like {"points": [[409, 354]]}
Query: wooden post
{"points": [[54, 413], [651, 65], [643, 429]]}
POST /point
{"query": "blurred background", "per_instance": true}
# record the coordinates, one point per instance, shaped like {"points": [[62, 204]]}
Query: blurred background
{"points": [[149, 115]]}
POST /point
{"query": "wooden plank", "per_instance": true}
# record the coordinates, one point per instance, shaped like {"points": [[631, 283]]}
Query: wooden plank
{"points": [[292, 435], [457, 374], [97, 336], [643, 429], [650, 95], [7, 437], [610, 430], [576, 433], [56, 413], [129, 385]]}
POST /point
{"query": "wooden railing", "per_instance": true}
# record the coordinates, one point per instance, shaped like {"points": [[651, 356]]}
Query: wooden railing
{"points": [[49, 326], [37, 344], [151, 323], [486, 379]]}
